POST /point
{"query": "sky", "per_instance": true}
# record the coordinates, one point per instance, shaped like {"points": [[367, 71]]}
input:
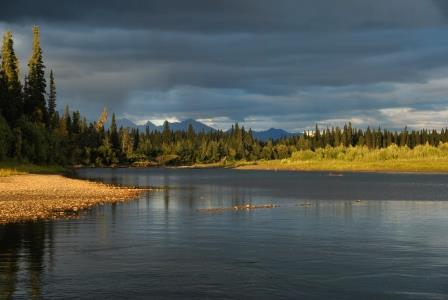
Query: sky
{"points": [[286, 64]]}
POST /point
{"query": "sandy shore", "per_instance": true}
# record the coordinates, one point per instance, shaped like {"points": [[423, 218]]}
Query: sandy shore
{"points": [[34, 197]]}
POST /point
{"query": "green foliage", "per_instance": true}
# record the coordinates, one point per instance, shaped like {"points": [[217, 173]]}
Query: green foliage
{"points": [[12, 167], [114, 137], [38, 134], [52, 99], [10, 63], [35, 103], [35, 142], [6, 138], [364, 154], [11, 95]]}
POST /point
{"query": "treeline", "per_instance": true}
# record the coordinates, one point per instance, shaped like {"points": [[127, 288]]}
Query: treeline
{"points": [[132, 146], [32, 130], [372, 138], [29, 121]]}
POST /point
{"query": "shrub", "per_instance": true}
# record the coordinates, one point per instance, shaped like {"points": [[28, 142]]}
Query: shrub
{"points": [[362, 153]]}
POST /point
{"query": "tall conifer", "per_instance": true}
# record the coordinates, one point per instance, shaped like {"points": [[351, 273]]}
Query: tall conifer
{"points": [[3, 92], [114, 137], [35, 104], [13, 102], [52, 97]]}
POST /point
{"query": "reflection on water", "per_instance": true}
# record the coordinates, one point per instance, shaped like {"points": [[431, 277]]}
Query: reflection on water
{"points": [[392, 244], [22, 255]]}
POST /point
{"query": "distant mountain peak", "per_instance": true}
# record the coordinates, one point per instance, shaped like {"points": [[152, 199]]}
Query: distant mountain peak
{"points": [[190, 121], [149, 123], [264, 135], [175, 126], [197, 126], [126, 123], [271, 133]]}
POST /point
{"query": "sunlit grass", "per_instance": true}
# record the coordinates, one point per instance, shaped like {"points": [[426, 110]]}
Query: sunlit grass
{"points": [[394, 159], [335, 165], [10, 168], [9, 172], [222, 164]]}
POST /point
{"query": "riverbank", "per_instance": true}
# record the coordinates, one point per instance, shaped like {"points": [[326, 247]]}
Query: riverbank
{"points": [[403, 166], [387, 166], [9, 168], [42, 197]]}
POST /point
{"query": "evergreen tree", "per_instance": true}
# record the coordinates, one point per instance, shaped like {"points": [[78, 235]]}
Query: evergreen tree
{"points": [[76, 122], [136, 139], [5, 138], [13, 102], [337, 137], [404, 137], [52, 97], [166, 133], [190, 132], [317, 138], [114, 136], [350, 141], [35, 105], [368, 138], [344, 137], [3, 92], [68, 121]]}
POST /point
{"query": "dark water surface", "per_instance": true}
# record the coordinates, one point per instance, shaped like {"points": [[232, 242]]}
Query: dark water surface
{"points": [[391, 245]]}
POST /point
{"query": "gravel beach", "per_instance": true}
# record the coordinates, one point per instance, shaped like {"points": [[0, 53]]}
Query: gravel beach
{"points": [[35, 197]]}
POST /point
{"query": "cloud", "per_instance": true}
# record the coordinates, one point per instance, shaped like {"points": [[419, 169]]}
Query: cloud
{"points": [[223, 16], [287, 64]]}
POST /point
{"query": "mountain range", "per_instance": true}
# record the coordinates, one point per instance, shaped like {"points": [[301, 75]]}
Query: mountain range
{"points": [[263, 135]]}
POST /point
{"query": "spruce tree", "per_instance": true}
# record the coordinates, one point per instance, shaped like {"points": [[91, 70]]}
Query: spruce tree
{"points": [[68, 121], [350, 141], [317, 138], [114, 137], [35, 104], [52, 97], [136, 139], [337, 137], [76, 122], [13, 103], [404, 137], [344, 136], [3, 93], [166, 133], [368, 138]]}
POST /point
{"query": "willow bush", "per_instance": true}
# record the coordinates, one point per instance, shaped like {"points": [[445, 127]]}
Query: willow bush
{"points": [[363, 153]]}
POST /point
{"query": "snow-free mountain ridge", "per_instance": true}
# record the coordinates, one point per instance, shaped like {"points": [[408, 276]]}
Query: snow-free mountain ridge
{"points": [[263, 135]]}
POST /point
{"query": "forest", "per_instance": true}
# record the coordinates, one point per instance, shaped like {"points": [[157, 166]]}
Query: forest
{"points": [[33, 130]]}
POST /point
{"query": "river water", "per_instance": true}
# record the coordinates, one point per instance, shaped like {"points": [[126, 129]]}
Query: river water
{"points": [[321, 242]]}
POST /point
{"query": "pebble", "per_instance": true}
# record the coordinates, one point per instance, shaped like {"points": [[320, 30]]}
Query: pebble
{"points": [[36, 197]]}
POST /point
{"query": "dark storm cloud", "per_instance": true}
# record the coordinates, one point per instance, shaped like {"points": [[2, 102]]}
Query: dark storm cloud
{"points": [[308, 61], [227, 15]]}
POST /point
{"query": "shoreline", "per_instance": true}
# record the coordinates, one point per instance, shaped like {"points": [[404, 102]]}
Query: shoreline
{"points": [[337, 171], [34, 197], [323, 166], [279, 167], [387, 167], [38, 197]]}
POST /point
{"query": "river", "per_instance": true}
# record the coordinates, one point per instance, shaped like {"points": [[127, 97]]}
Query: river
{"points": [[332, 236]]}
